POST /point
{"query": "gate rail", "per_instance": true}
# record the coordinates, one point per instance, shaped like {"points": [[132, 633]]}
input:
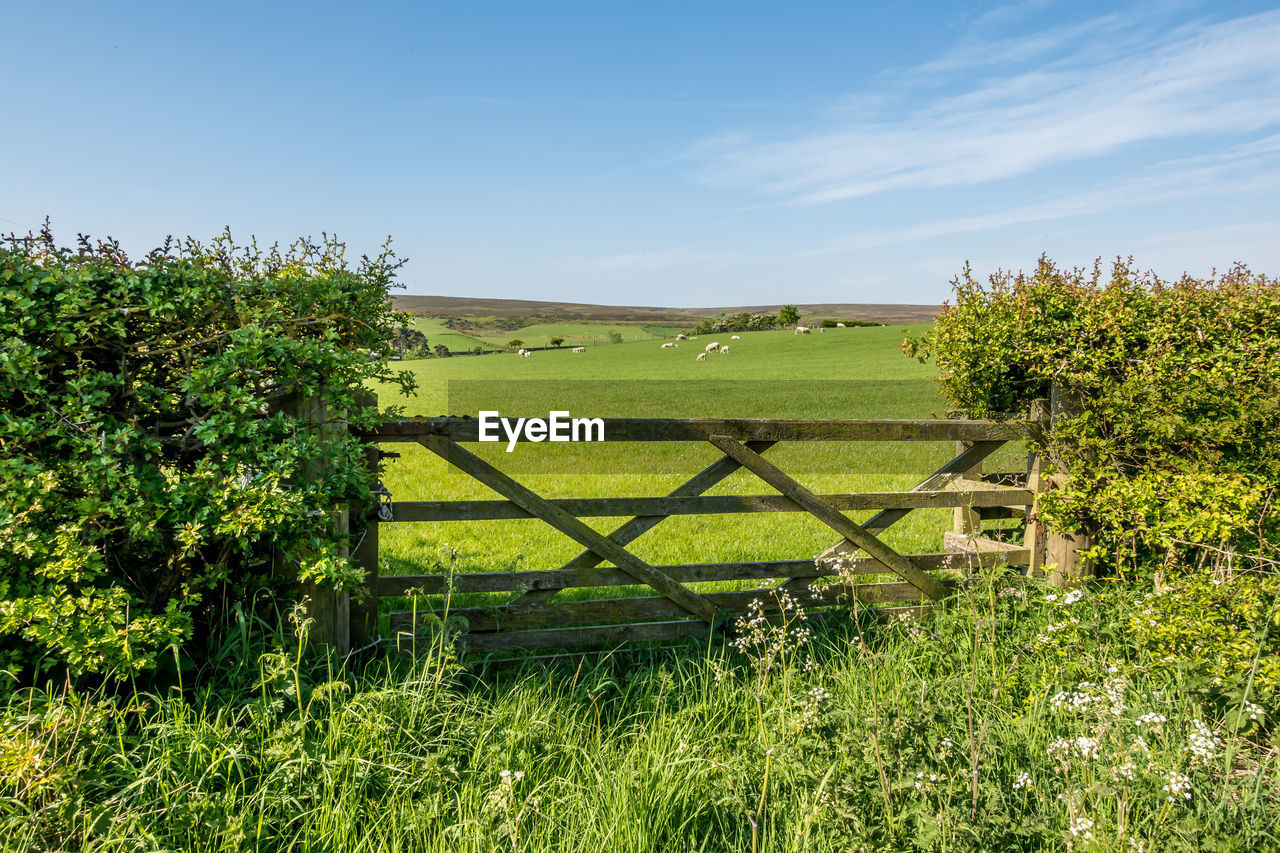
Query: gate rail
{"points": [[532, 621]]}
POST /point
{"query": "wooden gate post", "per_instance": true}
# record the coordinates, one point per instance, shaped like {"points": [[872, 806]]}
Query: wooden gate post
{"points": [[1034, 537], [328, 609], [364, 614], [1062, 549]]}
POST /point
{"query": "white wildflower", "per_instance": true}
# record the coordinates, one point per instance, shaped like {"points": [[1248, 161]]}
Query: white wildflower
{"points": [[1073, 596], [1023, 780], [1151, 718], [1204, 744], [1082, 828], [1086, 747], [1176, 785]]}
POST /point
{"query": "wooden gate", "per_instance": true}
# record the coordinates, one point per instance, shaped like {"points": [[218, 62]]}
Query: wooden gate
{"points": [[532, 620]]}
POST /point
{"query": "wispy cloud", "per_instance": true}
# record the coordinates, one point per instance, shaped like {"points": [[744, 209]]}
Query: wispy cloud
{"points": [[1210, 79], [1248, 168]]}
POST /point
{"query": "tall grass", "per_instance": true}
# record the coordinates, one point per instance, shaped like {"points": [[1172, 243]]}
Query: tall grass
{"points": [[1018, 719]]}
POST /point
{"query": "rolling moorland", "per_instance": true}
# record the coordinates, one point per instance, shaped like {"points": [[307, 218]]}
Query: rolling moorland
{"points": [[476, 320]]}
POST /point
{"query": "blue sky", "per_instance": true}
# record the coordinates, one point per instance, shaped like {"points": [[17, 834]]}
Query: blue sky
{"points": [[683, 153]]}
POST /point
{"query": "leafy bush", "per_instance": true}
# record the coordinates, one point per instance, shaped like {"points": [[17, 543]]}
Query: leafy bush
{"points": [[1178, 386], [740, 322], [146, 473]]}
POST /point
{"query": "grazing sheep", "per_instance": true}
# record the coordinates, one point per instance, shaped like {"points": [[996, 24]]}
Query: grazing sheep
{"points": [[579, 349], [682, 337], [670, 345], [525, 353], [702, 356], [712, 347], [736, 338], [839, 325], [724, 349], [802, 330]]}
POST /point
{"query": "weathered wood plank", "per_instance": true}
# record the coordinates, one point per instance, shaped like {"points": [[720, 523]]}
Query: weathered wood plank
{"points": [[553, 580], [1034, 534], [614, 636], [569, 525], [489, 510], [656, 608], [641, 524], [467, 429], [939, 479], [600, 636], [976, 543], [830, 516]]}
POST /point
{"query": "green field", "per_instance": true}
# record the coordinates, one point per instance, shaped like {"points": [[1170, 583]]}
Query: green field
{"points": [[842, 373], [540, 335]]}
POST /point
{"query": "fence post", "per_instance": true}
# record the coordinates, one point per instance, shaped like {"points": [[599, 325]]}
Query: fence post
{"points": [[1063, 549], [364, 614], [329, 609], [1034, 537]]}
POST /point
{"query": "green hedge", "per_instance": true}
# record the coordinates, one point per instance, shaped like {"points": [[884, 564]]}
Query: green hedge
{"points": [[145, 474], [1179, 384]]}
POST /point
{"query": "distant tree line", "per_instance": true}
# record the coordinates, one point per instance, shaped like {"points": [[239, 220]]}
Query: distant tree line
{"points": [[741, 322]]}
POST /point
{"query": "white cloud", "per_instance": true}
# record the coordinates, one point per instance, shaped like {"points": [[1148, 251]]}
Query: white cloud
{"points": [[1252, 167], [1209, 80]]}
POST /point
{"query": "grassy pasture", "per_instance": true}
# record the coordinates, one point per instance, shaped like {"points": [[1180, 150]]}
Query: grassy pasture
{"points": [[540, 335], [843, 373]]}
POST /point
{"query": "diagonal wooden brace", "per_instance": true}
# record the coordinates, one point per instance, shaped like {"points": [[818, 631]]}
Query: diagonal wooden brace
{"points": [[883, 520], [569, 525], [633, 529], [830, 516]]}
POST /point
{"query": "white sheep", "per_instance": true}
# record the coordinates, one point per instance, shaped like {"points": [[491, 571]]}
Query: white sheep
{"points": [[736, 338], [670, 345], [839, 325], [682, 337], [702, 356], [712, 347], [802, 330], [724, 349], [579, 349]]}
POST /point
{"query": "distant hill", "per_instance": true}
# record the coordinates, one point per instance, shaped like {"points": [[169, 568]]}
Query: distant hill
{"points": [[468, 307]]}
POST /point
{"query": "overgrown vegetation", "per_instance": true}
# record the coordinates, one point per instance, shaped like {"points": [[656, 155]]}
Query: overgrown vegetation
{"points": [[1125, 716], [1022, 719], [741, 322], [1177, 386], [145, 464]]}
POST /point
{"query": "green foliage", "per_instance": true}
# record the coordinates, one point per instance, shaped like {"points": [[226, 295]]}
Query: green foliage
{"points": [[1178, 390], [615, 337], [741, 322], [557, 342], [1222, 628], [144, 470], [1015, 719], [515, 343], [408, 342], [788, 315]]}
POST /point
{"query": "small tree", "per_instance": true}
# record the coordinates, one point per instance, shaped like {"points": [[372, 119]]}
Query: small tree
{"points": [[515, 343], [557, 342], [615, 337], [788, 315], [441, 351]]}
